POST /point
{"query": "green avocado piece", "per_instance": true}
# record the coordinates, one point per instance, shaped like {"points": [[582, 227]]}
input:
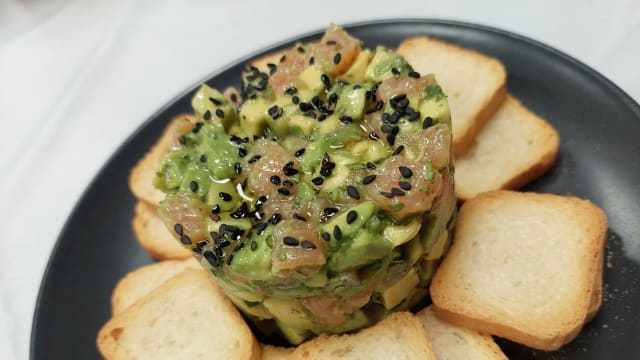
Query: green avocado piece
{"points": [[253, 116], [384, 61], [363, 249], [206, 103], [351, 102], [294, 335], [217, 195], [289, 312], [358, 319], [254, 262], [363, 210], [172, 170]]}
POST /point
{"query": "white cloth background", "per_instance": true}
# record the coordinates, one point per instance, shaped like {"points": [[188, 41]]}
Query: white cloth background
{"points": [[77, 77]]}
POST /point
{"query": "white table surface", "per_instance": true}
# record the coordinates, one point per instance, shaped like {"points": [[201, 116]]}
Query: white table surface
{"points": [[77, 77]]}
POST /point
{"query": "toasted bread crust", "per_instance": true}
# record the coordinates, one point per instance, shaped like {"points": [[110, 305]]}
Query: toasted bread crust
{"points": [[459, 299], [153, 235], [139, 282], [537, 152], [142, 174], [428, 55]]}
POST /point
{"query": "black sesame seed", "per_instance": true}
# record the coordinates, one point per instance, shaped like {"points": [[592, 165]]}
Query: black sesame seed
{"points": [[211, 258], [386, 194], [284, 191], [345, 119], [353, 192], [197, 127], [215, 101], [182, 140], [254, 158], [304, 107], [307, 245], [202, 243], [272, 68], [283, 58], [254, 245], [385, 117], [260, 228], [178, 229], [368, 179], [220, 113], [325, 80], [395, 71], [215, 209], [288, 169], [405, 171], [317, 181], [299, 152], [374, 136], [404, 185], [414, 74], [315, 101], [287, 183], [329, 211], [291, 91], [395, 130], [412, 115], [299, 217], [337, 233], [391, 139], [397, 192], [234, 97], [331, 42], [275, 179], [295, 100], [428, 121], [351, 216], [275, 112], [207, 114], [337, 58], [238, 168], [275, 218], [203, 158], [215, 217], [386, 128], [291, 241], [224, 196], [325, 172], [394, 117], [193, 186], [322, 117], [185, 239], [333, 98], [371, 166], [325, 236], [242, 152], [398, 150], [229, 259], [312, 60]]}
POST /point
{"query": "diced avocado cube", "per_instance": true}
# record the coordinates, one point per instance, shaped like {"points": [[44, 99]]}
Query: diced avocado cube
{"points": [[438, 110], [370, 150], [380, 67], [439, 247], [310, 79], [400, 234], [330, 125], [211, 100], [223, 194], [293, 335], [396, 293], [255, 309], [171, 173], [288, 312], [355, 74], [320, 279], [253, 116], [351, 102], [254, 262], [358, 319], [313, 155], [304, 123], [364, 211], [363, 249], [413, 250]]}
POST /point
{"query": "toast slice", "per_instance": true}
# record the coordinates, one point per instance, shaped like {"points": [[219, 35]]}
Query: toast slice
{"points": [[452, 342], [142, 174], [153, 235], [474, 83], [596, 296], [522, 266], [270, 352], [138, 283], [399, 336], [187, 317], [513, 148]]}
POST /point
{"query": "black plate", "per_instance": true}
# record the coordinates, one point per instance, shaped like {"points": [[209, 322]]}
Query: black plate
{"points": [[599, 160]]}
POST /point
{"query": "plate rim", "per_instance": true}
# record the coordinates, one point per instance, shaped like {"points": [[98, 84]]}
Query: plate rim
{"points": [[602, 80]]}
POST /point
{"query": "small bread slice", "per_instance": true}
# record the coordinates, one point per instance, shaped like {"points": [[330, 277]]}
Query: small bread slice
{"points": [[187, 317], [142, 174], [270, 352], [452, 342], [399, 336], [522, 266], [154, 236], [513, 148], [138, 283], [474, 83], [596, 296]]}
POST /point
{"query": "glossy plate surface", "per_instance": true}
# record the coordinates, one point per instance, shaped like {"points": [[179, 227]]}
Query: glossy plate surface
{"points": [[599, 159]]}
